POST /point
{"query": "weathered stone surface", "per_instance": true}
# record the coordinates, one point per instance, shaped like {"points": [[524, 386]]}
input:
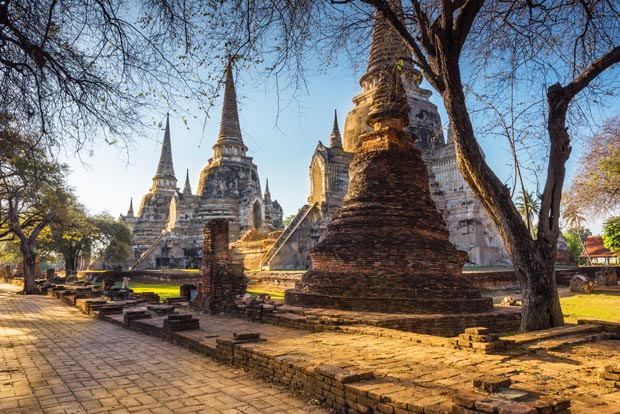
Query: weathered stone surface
{"points": [[329, 181], [222, 278], [581, 284], [492, 383], [387, 248], [606, 277], [168, 227]]}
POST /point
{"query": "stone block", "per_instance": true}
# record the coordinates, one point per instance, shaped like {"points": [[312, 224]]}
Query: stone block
{"points": [[477, 330], [515, 408], [458, 409], [466, 400], [581, 284], [612, 368], [246, 336], [606, 277], [330, 371], [492, 383]]}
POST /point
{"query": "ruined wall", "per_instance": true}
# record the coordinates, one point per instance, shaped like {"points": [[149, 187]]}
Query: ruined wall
{"points": [[222, 279]]}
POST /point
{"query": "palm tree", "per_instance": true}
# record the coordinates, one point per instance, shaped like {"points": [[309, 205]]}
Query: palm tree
{"points": [[574, 222], [528, 206]]}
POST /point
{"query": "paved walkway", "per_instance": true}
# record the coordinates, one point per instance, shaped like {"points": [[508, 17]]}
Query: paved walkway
{"points": [[55, 360]]}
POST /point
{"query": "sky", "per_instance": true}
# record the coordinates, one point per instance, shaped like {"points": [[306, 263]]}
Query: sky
{"points": [[281, 142]]}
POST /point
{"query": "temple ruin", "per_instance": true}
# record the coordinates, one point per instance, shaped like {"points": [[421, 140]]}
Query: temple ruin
{"points": [[167, 230], [387, 247], [469, 226]]}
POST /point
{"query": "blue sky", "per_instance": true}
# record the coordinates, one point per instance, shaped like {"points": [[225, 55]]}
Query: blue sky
{"points": [[280, 141]]}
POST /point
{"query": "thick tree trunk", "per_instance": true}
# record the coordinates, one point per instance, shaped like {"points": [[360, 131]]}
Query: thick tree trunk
{"points": [[70, 262], [533, 259], [536, 273], [29, 257]]}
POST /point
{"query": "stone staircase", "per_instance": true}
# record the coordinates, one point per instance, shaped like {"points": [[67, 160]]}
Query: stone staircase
{"points": [[286, 234], [148, 251]]}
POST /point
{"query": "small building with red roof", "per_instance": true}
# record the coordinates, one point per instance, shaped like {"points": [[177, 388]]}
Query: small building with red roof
{"points": [[596, 251]]}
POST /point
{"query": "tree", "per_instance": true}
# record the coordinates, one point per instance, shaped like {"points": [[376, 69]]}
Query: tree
{"points": [[77, 235], [611, 233], [575, 237], [596, 187], [528, 206], [574, 220], [70, 233], [566, 49], [76, 69], [443, 38], [113, 240], [32, 188]]}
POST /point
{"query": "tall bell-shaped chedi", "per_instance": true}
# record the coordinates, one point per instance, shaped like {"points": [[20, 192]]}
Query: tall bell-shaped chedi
{"points": [[469, 226], [230, 181], [387, 248], [229, 188], [153, 212]]}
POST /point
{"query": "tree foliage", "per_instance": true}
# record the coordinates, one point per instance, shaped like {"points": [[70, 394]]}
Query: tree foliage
{"points": [[528, 206], [81, 237], [596, 187], [77, 69], [32, 189], [611, 233], [575, 237]]}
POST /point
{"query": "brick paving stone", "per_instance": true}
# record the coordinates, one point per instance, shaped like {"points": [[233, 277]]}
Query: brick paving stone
{"points": [[55, 360]]}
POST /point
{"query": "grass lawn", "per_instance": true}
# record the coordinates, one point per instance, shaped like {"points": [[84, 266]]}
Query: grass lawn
{"points": [[603, 306], [164, 291]]}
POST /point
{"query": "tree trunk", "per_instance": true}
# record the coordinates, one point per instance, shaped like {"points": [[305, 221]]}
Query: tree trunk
{"points": [[533, 259], [29, 257], [70, 261], [536, 273]]}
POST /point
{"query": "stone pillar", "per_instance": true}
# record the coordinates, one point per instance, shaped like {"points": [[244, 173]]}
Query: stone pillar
{"points": [[221, 281], [7, 271], [50, 273]]}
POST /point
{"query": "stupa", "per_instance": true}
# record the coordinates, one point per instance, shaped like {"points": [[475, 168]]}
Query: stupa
{"points": [[387, 248]]}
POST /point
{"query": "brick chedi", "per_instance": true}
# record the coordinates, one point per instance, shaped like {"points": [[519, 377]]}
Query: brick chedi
{"points": [[387, 248], [469, 226]]}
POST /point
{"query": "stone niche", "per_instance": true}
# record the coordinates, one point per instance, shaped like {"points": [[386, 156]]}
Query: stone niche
{"points": [[387, 248]]}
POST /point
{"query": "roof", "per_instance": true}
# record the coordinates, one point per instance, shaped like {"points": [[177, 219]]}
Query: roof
{"points": [[595, 248]]}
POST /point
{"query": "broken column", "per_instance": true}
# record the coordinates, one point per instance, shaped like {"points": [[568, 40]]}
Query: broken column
{"points": [[222, 278], [387, 248]]}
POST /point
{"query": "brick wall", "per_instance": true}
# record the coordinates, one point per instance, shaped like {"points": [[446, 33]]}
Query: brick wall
{"points": [[222, 280]]}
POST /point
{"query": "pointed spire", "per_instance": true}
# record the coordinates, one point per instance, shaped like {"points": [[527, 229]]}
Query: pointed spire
{"points": [[387, 47], [130, 211], [267, 195], [230, 132], [335, 140], [229, 141], [165, 169], [187, 188]]}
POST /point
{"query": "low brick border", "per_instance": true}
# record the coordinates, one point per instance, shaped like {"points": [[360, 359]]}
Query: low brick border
{"points": [[342, 388]]}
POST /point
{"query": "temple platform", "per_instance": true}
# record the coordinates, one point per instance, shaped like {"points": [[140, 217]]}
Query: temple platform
{"points": [[502, 319]]}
